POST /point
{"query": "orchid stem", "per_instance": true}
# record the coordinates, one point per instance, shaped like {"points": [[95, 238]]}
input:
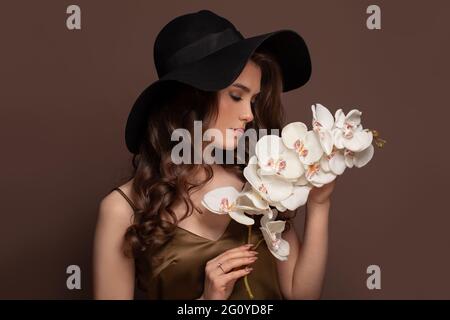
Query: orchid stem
{"points": [[259, 242], [247, 286]]}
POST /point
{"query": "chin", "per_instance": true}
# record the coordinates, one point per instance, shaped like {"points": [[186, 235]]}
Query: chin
{"points": [[231, 146], [228, 146]]}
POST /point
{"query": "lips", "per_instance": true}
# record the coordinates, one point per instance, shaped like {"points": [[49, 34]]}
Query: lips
{"points": [[238, 131]]}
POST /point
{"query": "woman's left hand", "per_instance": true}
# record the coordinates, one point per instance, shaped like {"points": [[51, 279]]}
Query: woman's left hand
{"points": [[322, 194]]}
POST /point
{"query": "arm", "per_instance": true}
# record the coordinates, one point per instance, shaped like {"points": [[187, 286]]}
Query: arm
{"points": [[113, 271], [301, 276]]}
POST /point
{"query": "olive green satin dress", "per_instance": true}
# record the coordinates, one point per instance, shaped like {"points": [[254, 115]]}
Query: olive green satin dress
{"points": [[181, 275]]}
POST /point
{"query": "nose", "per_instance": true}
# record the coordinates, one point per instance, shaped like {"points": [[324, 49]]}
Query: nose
{"points": [[246, 118], [247, 115]]}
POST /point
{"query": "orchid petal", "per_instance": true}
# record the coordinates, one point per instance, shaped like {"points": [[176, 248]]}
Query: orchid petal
{"points": [[362, 158], [338, 138], [267, 149], [298, 197], [349, 158], [277, 188], [293, 168], [322, 117], [360, 141], [353, 117], [314, 148], [264, 220], [293, 133], [280, 207], [275, 227], [220, 200], [252, 199], [326, 141], [324, 163], [337, 163], [283, 246], [241, 218], [271, 231], [318, 177], [283, 249], [252, 203], [216, 211], [339, 117], [251, 174]]}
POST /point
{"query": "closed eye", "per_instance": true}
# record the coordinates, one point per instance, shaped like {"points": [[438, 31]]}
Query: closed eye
{"points": [[236, 98]]}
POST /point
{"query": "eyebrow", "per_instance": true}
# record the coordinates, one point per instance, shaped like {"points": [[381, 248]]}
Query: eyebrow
{"points": [[239, 85]]}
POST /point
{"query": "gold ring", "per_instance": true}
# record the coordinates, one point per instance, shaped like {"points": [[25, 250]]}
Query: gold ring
{"points": [[220, 266]]}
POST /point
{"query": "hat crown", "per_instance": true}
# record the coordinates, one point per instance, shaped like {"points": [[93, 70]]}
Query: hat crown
{"points": [[190, 37]]}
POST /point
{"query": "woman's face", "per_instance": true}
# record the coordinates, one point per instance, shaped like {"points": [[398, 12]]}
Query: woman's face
{"points": [[235, 105]]}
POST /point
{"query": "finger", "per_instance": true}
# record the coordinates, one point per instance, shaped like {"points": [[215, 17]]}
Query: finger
{"points": [[237, 254], [234, 275], [212, 265], [245, 247], [229, 265]]}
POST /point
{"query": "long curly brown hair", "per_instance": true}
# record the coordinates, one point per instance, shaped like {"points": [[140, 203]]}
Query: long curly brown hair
{"points": [[159, 184]]}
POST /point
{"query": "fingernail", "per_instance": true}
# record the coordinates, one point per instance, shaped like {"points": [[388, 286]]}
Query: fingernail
{"points": [[248, 269], [254, 252]]}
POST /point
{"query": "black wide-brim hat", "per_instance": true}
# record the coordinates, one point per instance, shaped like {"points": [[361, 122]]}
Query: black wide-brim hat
{"points": [[207, 52]]}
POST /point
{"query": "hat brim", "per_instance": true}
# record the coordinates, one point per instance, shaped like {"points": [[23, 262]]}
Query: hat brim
{"points": [[218, 70]]}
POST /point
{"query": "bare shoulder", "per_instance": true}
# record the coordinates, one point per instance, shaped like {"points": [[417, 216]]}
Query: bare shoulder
{"points": [[115, 208], [113, 270]]}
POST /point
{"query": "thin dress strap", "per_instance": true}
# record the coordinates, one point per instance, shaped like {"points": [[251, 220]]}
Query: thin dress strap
{"points": [[126, 197]]}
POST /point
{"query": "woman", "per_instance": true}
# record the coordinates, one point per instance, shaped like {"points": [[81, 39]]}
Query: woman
{"points": [[153, 230]]}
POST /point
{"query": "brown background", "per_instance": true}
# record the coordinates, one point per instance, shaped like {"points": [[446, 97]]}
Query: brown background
{"points": [[65, 96]]}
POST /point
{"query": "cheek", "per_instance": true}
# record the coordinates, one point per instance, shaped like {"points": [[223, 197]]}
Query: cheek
{"points": [[226, 116]]}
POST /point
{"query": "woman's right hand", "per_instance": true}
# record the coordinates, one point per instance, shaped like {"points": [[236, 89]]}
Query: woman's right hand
{"points": [[222, 272]]}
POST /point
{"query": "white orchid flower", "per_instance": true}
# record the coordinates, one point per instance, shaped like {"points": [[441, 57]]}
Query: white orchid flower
{"points": [[348, 132], [358, 159], [251, 201], [334, 162], [275, 159], [340, 159], [271, 187], [224, 201], [298, 197], [322, 123], [271, 231], [317, 175], [278, 192], [305, 143]]}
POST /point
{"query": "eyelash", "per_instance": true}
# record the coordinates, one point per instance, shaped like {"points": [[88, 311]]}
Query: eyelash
{"points": [[239, 99]]}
